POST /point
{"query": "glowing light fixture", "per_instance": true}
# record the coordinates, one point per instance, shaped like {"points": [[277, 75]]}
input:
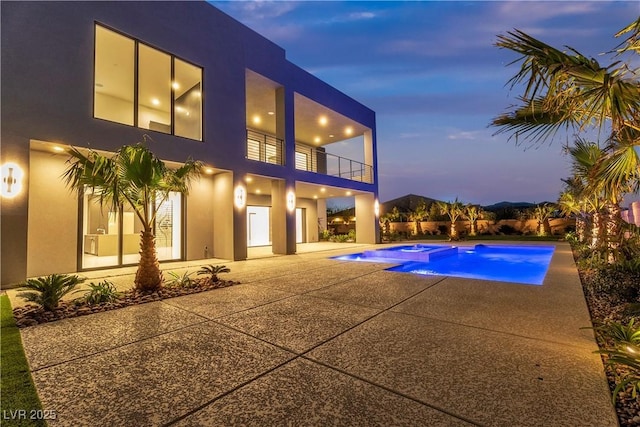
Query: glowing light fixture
{"points": [[248, 179], [240, 197], [317, 140], [271, 113], [376, 208], [349, 193], [315, 197], [348, 130], [256, 120], [58, 149], [258, 191], [291, 201], [11, 180], [208, 170], [322, 189], [175, 85], [323, 120], [155, 101]]}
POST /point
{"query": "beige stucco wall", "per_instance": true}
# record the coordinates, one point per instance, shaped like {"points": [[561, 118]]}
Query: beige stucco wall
{"points": [[199, 233], [52, 238], [311, 211]]}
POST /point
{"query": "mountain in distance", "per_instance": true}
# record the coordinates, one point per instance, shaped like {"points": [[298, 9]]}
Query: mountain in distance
{"points": [[410, 201]]}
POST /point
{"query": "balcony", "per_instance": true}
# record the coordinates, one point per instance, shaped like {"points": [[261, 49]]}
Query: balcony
{"points": [[319, 161], [264, 148]]}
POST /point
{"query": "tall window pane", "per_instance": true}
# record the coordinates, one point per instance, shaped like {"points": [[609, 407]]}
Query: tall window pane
{"points": [[114, 76], [187, 87], [154, 89]]}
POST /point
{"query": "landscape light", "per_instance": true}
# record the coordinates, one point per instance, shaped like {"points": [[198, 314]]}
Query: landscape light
{"points": [[376, 208]]}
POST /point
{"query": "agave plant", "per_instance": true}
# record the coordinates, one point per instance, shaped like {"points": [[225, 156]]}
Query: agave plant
{"points": [[212, 271], [100, 292], [48, 290]]}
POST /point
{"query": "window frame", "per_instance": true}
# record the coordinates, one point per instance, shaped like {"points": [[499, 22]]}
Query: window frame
{"points": [[136, 76]]}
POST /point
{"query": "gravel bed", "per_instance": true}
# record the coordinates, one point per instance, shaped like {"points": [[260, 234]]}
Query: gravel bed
{"points": [[606, 309], [31, 315]]}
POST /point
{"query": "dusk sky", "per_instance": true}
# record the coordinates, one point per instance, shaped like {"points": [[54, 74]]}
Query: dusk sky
{"points": [[432, 75]]}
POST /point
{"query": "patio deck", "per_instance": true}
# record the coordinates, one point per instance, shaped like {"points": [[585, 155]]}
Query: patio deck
{"points": [[307, 340]]}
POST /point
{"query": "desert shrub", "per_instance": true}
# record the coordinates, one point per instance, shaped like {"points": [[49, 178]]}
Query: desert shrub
{"points": [[100, 292], [340, 238], [48, 290], [622, 350], [326, 234], [352, 234]]}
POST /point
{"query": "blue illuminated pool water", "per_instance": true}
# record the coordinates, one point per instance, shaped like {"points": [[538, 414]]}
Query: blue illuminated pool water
{"points": [[515, 264]]}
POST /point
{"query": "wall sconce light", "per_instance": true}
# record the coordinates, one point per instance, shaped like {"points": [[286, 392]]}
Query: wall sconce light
{"points": [[376, 208], [11, 180], [291, 201], [240, 197]]}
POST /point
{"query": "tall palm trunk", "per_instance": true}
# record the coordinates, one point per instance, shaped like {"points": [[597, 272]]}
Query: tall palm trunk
{"points": [[595, 230], [453, 229], [613, 231], [580, 228], [148, 276], [472, 228]]}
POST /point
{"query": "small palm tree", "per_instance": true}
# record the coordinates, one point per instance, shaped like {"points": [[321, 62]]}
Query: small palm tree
{"points": [[473, 213], [542, 213], [48, 291], [454, 211], [133, 176], [212, 271], [418, 215]]}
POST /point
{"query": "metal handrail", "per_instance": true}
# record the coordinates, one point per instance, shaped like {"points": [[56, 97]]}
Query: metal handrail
{"points": [[264, 148], [319, 161]]}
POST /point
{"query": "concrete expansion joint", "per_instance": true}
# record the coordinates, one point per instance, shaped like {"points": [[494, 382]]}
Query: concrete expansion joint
{"points": [[398, 393]]}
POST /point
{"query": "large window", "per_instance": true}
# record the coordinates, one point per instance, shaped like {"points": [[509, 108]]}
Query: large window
{"points": [[111, 235], [169, 90]]}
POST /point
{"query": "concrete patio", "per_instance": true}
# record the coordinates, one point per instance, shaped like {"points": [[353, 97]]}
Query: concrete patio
{"points": [[307, 340]]}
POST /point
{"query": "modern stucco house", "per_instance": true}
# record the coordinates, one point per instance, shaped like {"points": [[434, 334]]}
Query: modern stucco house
{"points": [[199, 84]]}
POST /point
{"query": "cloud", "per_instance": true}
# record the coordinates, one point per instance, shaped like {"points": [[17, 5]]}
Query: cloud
{"points": [[465, 135]]}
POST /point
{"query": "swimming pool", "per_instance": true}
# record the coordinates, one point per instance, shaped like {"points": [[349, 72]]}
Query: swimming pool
{"points": [[516, 264]]}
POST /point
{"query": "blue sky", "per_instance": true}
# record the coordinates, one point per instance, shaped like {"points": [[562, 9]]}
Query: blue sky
{"points": [[432, 75]]}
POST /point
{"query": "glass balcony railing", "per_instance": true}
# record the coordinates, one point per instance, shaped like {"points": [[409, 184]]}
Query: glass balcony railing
{"points": [[319, 161]]}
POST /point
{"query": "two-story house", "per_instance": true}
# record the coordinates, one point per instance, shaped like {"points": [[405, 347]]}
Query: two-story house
{"points": [[195, 83]]}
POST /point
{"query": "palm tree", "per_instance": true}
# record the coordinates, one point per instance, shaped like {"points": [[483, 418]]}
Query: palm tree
{"points": [[473, 213], [389, 217], [418, 215], [568, 90], [133, 176], [542, 213], [454, 210]]}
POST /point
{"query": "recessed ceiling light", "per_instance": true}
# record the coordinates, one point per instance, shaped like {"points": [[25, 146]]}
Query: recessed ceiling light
{"points": [[258, 191], [248, 179], [155, 101], [331, 136], [58, 149], [315, 197], [271, 113], [317, 140], [175, 85], [348, 130], [323, 120], [322, 189], [348, 193], [257, 120]]}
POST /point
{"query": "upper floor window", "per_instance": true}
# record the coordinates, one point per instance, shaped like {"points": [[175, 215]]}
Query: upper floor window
{"points": [[168, 98]]}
